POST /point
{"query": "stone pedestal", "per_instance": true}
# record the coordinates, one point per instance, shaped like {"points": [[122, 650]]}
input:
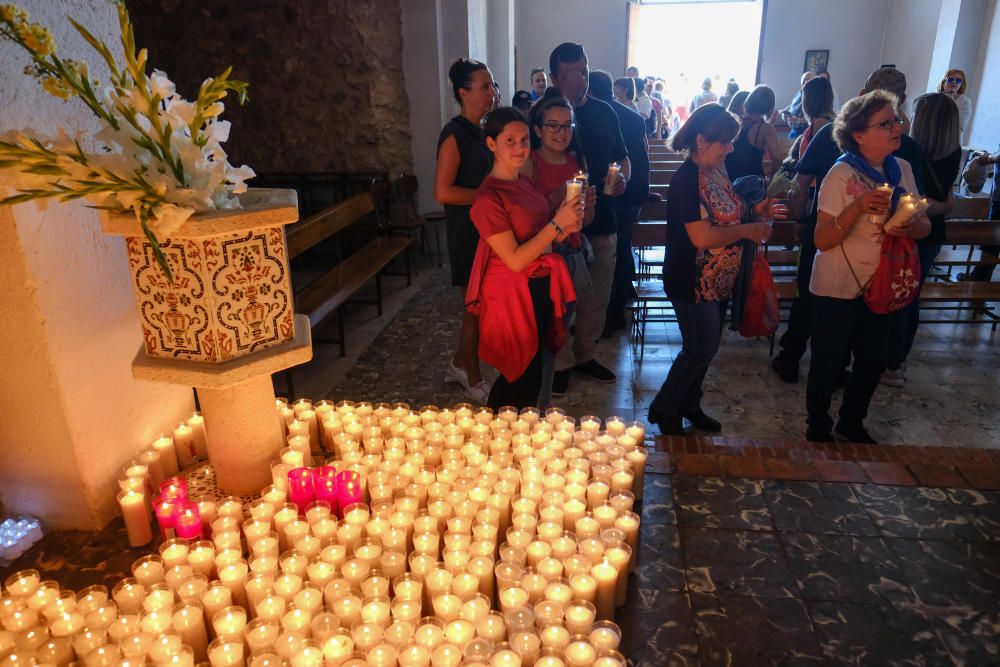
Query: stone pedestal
{"points": [[223, 325], [237, 401]]}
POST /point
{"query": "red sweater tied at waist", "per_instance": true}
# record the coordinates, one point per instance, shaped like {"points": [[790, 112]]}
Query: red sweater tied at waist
{"points": [[508, 333]]}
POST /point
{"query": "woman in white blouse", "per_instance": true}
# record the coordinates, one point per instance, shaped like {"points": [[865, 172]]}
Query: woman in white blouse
{"points": [[954, 84], [849, 234]]}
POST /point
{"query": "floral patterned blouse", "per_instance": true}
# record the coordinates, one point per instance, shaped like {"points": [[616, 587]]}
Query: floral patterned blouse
{"points": [[716, 269]]}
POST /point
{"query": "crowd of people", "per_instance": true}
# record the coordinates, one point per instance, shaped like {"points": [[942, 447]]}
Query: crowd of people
{"points": [[540, 198]]}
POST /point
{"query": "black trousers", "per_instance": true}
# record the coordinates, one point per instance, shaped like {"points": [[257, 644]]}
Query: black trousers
{"points": [[796, 337], [524, 391], [839, 325], [622, 290]]}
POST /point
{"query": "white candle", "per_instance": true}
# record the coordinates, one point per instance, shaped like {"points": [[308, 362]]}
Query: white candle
{"points": [[606, 576], [136, 517], [222, 653], [197, 423], [168, 455], [184, 445], [189, 623]]}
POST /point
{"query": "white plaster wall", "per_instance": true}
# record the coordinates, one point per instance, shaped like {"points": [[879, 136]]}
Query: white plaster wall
{"points": [[985, 88], [478, 49], [72, 415], [500, 27], [600, 25], [427, 87], [909, 39], [851, 29]]}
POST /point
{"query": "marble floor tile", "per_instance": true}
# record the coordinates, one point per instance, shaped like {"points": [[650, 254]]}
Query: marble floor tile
{"points": [[812, 507], [845, 568], [661, 565], [744, 562], [739, 630], [861, 635], [658, 630], [982, 508], [914, 512], [949, 573], [658, 501], [713, 502], [972, 636]]}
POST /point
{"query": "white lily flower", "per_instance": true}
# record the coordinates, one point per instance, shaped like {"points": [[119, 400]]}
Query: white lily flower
{"points": [[167, 219], [160, 85], [218, 131]]}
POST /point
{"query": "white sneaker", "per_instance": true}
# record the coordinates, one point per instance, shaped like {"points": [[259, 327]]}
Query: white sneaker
{"points": [[896, 378], [457, 375], [479, 393]]}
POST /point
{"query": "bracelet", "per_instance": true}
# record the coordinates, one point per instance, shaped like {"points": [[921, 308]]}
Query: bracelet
{"points": [[559, 230]]}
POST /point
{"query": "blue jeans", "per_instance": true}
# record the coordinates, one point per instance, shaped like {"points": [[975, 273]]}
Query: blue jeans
{"points": [[905, 321], [701, 333]]}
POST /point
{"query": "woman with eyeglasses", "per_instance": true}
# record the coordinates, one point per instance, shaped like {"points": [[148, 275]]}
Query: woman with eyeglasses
{"points": [[462, 164], [556, 157], [518, 287], [852, 210], [954, 84]]}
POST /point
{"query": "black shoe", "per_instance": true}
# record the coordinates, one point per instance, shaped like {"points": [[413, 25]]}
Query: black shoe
{"points": [[560, 383], [857, 434], [670, 425], [787, 372], [702, 422], [817, 435], [595, 371]]}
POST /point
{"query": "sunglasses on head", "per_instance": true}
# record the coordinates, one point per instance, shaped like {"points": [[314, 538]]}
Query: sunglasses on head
{"points": [[954, 79]]}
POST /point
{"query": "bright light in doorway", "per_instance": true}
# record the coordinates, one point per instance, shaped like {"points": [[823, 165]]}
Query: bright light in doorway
{"points": [[684, 43]]}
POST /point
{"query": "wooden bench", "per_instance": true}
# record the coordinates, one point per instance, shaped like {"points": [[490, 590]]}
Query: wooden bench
{"points": [[326, 295]]}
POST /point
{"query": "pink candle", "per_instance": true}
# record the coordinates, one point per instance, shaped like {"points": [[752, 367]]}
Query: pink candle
{"points": [[348, 488], [187, 523], [174, 487], [325, 485], [300, 487], [166, 515]]}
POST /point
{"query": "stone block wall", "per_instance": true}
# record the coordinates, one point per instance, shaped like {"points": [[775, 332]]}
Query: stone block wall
{"points": [[326, 77]]}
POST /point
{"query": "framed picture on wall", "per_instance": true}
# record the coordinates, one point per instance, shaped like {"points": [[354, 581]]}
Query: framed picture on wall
{"points": [[817, 60]]}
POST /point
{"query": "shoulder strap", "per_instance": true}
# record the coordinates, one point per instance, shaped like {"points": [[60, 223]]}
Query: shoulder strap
{"points": [[861, 288]]}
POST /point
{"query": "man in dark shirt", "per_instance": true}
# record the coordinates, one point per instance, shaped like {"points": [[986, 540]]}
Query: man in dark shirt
{"points": [[598, 130], [628, 205], [819, 158]]}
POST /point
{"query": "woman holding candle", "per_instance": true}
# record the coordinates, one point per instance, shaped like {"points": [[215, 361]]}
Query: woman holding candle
{"points": [[936, 129], [849, 232], [704, 217], [556, 160], [463, 163], [518, 287]]}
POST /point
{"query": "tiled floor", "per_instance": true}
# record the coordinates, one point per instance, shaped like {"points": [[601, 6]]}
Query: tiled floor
{"points": [[756, 549]]}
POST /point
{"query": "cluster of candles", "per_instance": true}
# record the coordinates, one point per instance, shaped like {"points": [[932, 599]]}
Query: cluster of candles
{"points": [[150, 471], [17, 536], [431, 537]]}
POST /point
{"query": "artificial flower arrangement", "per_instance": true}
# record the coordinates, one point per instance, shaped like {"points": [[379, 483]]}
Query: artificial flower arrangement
{"points": [[157, 154]]}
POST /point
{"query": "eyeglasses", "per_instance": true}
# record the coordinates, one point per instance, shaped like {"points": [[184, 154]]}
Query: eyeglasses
{"points": [[889, 124], [554, 128], [954, 79]]}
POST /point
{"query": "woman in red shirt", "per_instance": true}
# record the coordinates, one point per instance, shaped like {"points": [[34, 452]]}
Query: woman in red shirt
{"points": [[518, 287]]}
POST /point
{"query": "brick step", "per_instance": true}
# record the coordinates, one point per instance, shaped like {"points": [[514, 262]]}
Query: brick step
{"points": [[757, 458]]}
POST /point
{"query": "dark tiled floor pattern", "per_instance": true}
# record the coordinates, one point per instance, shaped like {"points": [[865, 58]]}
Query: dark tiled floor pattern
{"points": [[761, 572]]}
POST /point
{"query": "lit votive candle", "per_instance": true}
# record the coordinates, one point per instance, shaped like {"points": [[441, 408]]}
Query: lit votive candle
{"points": [[223, 653], [348, 608], [215, 599], [184, 445], [555, 637], [606, 576], [128, 594], [136, 517], [189, 622], [168, 455], [505, 656], [297, 621], [580, 652], [159, 598], [234, 577], [148, 570], [174, 552], [201, 557], [197, 423], [338, 647]]}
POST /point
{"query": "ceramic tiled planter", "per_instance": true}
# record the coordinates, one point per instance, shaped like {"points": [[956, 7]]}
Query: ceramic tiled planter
{"points": [[232, 293]]}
